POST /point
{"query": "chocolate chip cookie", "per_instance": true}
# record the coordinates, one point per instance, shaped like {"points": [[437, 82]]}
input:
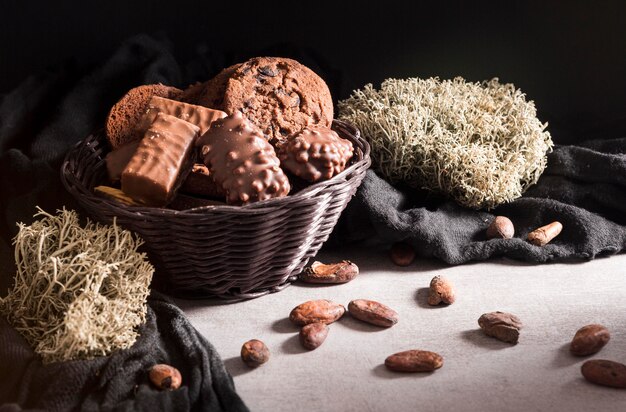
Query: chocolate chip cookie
{"points": [[211, 93], [279, 95]]}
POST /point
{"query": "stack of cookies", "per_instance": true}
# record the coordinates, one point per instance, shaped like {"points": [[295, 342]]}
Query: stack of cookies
{"points": [[253, 132]]}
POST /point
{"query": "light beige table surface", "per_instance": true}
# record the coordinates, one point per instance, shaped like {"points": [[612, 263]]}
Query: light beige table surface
{"points": [[479, 374]]}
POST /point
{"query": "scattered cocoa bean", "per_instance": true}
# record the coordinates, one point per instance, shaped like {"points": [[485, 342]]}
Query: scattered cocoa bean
{"points": [[373, 312], [501, 325], [414, 361], [501, 227], [165, 377], [254, 353], [341, 272], [589, 340], [402, 254], [605, 373], [313, 311], [313, 335], [543, 235], [441, 290]]}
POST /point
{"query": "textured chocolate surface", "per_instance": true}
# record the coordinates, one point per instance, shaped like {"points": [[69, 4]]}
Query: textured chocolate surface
{"points": [[198, 115], [200, 182], [279, 95], [315, 154], [117, 160], [161, 160], [242, 161]]}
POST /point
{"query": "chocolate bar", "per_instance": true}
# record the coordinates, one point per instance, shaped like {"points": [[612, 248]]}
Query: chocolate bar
{"points": [[117, 160], [242, 161], [162, 160], [198, 115]]}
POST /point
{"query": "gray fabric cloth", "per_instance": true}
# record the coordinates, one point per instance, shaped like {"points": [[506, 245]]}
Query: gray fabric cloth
{"points": [[583, 187], [119, 382]]}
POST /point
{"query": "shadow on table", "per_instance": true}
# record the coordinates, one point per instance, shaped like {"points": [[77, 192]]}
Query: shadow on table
{"points": [[292, 346], [381, 371], [478, 338], [284, 325], [564, 358], [236, 367]]}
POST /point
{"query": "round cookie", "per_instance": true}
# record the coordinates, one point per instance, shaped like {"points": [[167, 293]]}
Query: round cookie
{"points": [[279, 95], [126, 113], [211, 93]]}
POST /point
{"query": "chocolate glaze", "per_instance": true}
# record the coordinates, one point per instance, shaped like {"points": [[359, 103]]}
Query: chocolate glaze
{"points": [[117, 160], [242, 161], [315, 153], [198, 115], [200, 182], [162, 160]]}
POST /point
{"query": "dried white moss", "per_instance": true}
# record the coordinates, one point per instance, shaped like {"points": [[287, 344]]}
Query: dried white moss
{"points": [[79, 292], [479, 143]]}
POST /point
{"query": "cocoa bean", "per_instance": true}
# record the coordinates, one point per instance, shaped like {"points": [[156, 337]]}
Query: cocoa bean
{"points": [[165, 377], [313, 335], [414, 361], [313, 311], [341, 272], [501, 227], [254, 353], [373, 312], [543, 235], [605, 373], [441, 290], [589, 340], [402, 254], [501, 325]]}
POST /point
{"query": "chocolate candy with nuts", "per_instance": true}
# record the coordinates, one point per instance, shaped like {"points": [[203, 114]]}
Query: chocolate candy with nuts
{"points": [[242, 162], [315, 154]]}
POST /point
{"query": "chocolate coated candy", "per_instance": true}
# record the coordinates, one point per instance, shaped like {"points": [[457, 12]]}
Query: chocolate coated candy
{"points": [[198, 115], [117, 160], [162, 160], [242, 161], [315, 154], [200, 182]]}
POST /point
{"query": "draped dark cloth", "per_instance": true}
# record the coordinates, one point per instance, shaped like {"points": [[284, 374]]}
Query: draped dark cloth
{"points": [[39, 121]]}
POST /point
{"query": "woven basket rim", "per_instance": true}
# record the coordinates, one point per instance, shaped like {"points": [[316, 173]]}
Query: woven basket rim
{"points": [[259, 207]]}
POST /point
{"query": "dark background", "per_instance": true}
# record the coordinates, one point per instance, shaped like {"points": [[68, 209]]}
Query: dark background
{"points": [[569, 57]]}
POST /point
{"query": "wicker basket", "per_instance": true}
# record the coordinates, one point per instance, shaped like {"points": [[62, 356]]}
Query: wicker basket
{"points": [[229, 252]]}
